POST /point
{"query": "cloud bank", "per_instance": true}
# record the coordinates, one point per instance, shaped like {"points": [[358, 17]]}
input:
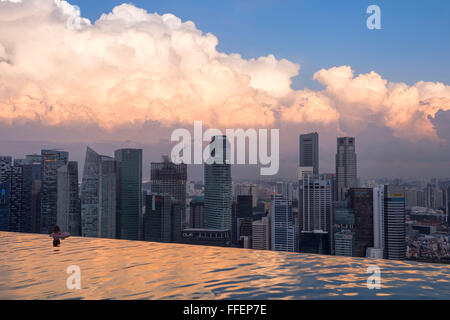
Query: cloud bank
{"points": [[131, 66]]}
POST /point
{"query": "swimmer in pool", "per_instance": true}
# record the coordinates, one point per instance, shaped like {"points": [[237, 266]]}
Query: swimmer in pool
{"points": [[57, 236]]}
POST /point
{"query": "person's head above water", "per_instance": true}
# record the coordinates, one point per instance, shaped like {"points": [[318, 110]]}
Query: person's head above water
{"points": [[56, 229]]}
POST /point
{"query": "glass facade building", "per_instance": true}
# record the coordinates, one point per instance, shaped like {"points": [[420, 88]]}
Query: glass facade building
{"points": [[68, 204], [218, 189], [52, 160], [98, 196], [129, 193]]}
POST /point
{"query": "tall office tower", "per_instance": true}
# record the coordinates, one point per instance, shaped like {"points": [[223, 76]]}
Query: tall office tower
{"points": [[68, 206], [282, 224], [26, 177], [157, 218], [361, 201], [245, 206], [129, 193], [33, 163], [5, 205], [315, 210], [344, 235], [447, 204], [346, 166], [218, 186], [234, 224], [52, 160], [17, 213], [98, 196], [169, 178], [5, 168], [378, 224], [261, 234], [177, 211], [5, 193], [309, 151], [196, 209], [394, 222], [244, 218]]}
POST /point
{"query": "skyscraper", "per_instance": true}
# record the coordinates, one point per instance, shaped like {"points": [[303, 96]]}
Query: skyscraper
{"points": [[346, 166], [52, 160], [35, 162], [17, 214], [309, 151], [170, 179], [378, 224], [394, 223], [361, 201], [5, 168], [315, 210], [129, 193], [68, 203], [282, 224], [447, 204], [196, 218], [261, 234], [344, 235], [218, 186], [98, 196], [157, 218], [5, 205]]}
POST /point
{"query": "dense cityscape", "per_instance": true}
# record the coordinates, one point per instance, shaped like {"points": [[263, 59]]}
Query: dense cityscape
{"points": [[324, 213]]}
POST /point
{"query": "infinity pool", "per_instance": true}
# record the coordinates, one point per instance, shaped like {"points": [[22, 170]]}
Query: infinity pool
{"points": [[30, 268]]}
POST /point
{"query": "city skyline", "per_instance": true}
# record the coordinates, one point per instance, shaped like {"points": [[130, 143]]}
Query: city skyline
{"points": [[210, 151], [399, 117]]}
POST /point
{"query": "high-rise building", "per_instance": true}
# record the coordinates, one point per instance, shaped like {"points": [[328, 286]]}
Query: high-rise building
{"points": [[218, 187], [129, 193], [68, 203], [344, 243], [17, 214], [5, 205], [196, 209], [98, 196], [344, 236], [52, 160], [378, 224], [5, 192], [5, 168], [261, 234], [157, 218], [170, 179], [309, 151], [282, 224], [447, 204], [246, 189], [244, 206], [35, 162], [394, 222], [346, 166], [315, 213], [361, 202]]}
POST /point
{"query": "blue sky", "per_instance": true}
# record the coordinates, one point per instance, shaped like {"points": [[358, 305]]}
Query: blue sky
{"points": [[413, 44]]}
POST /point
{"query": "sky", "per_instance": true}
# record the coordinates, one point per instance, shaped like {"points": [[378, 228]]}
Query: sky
{"points": [[127, 75], [319, 34]]}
